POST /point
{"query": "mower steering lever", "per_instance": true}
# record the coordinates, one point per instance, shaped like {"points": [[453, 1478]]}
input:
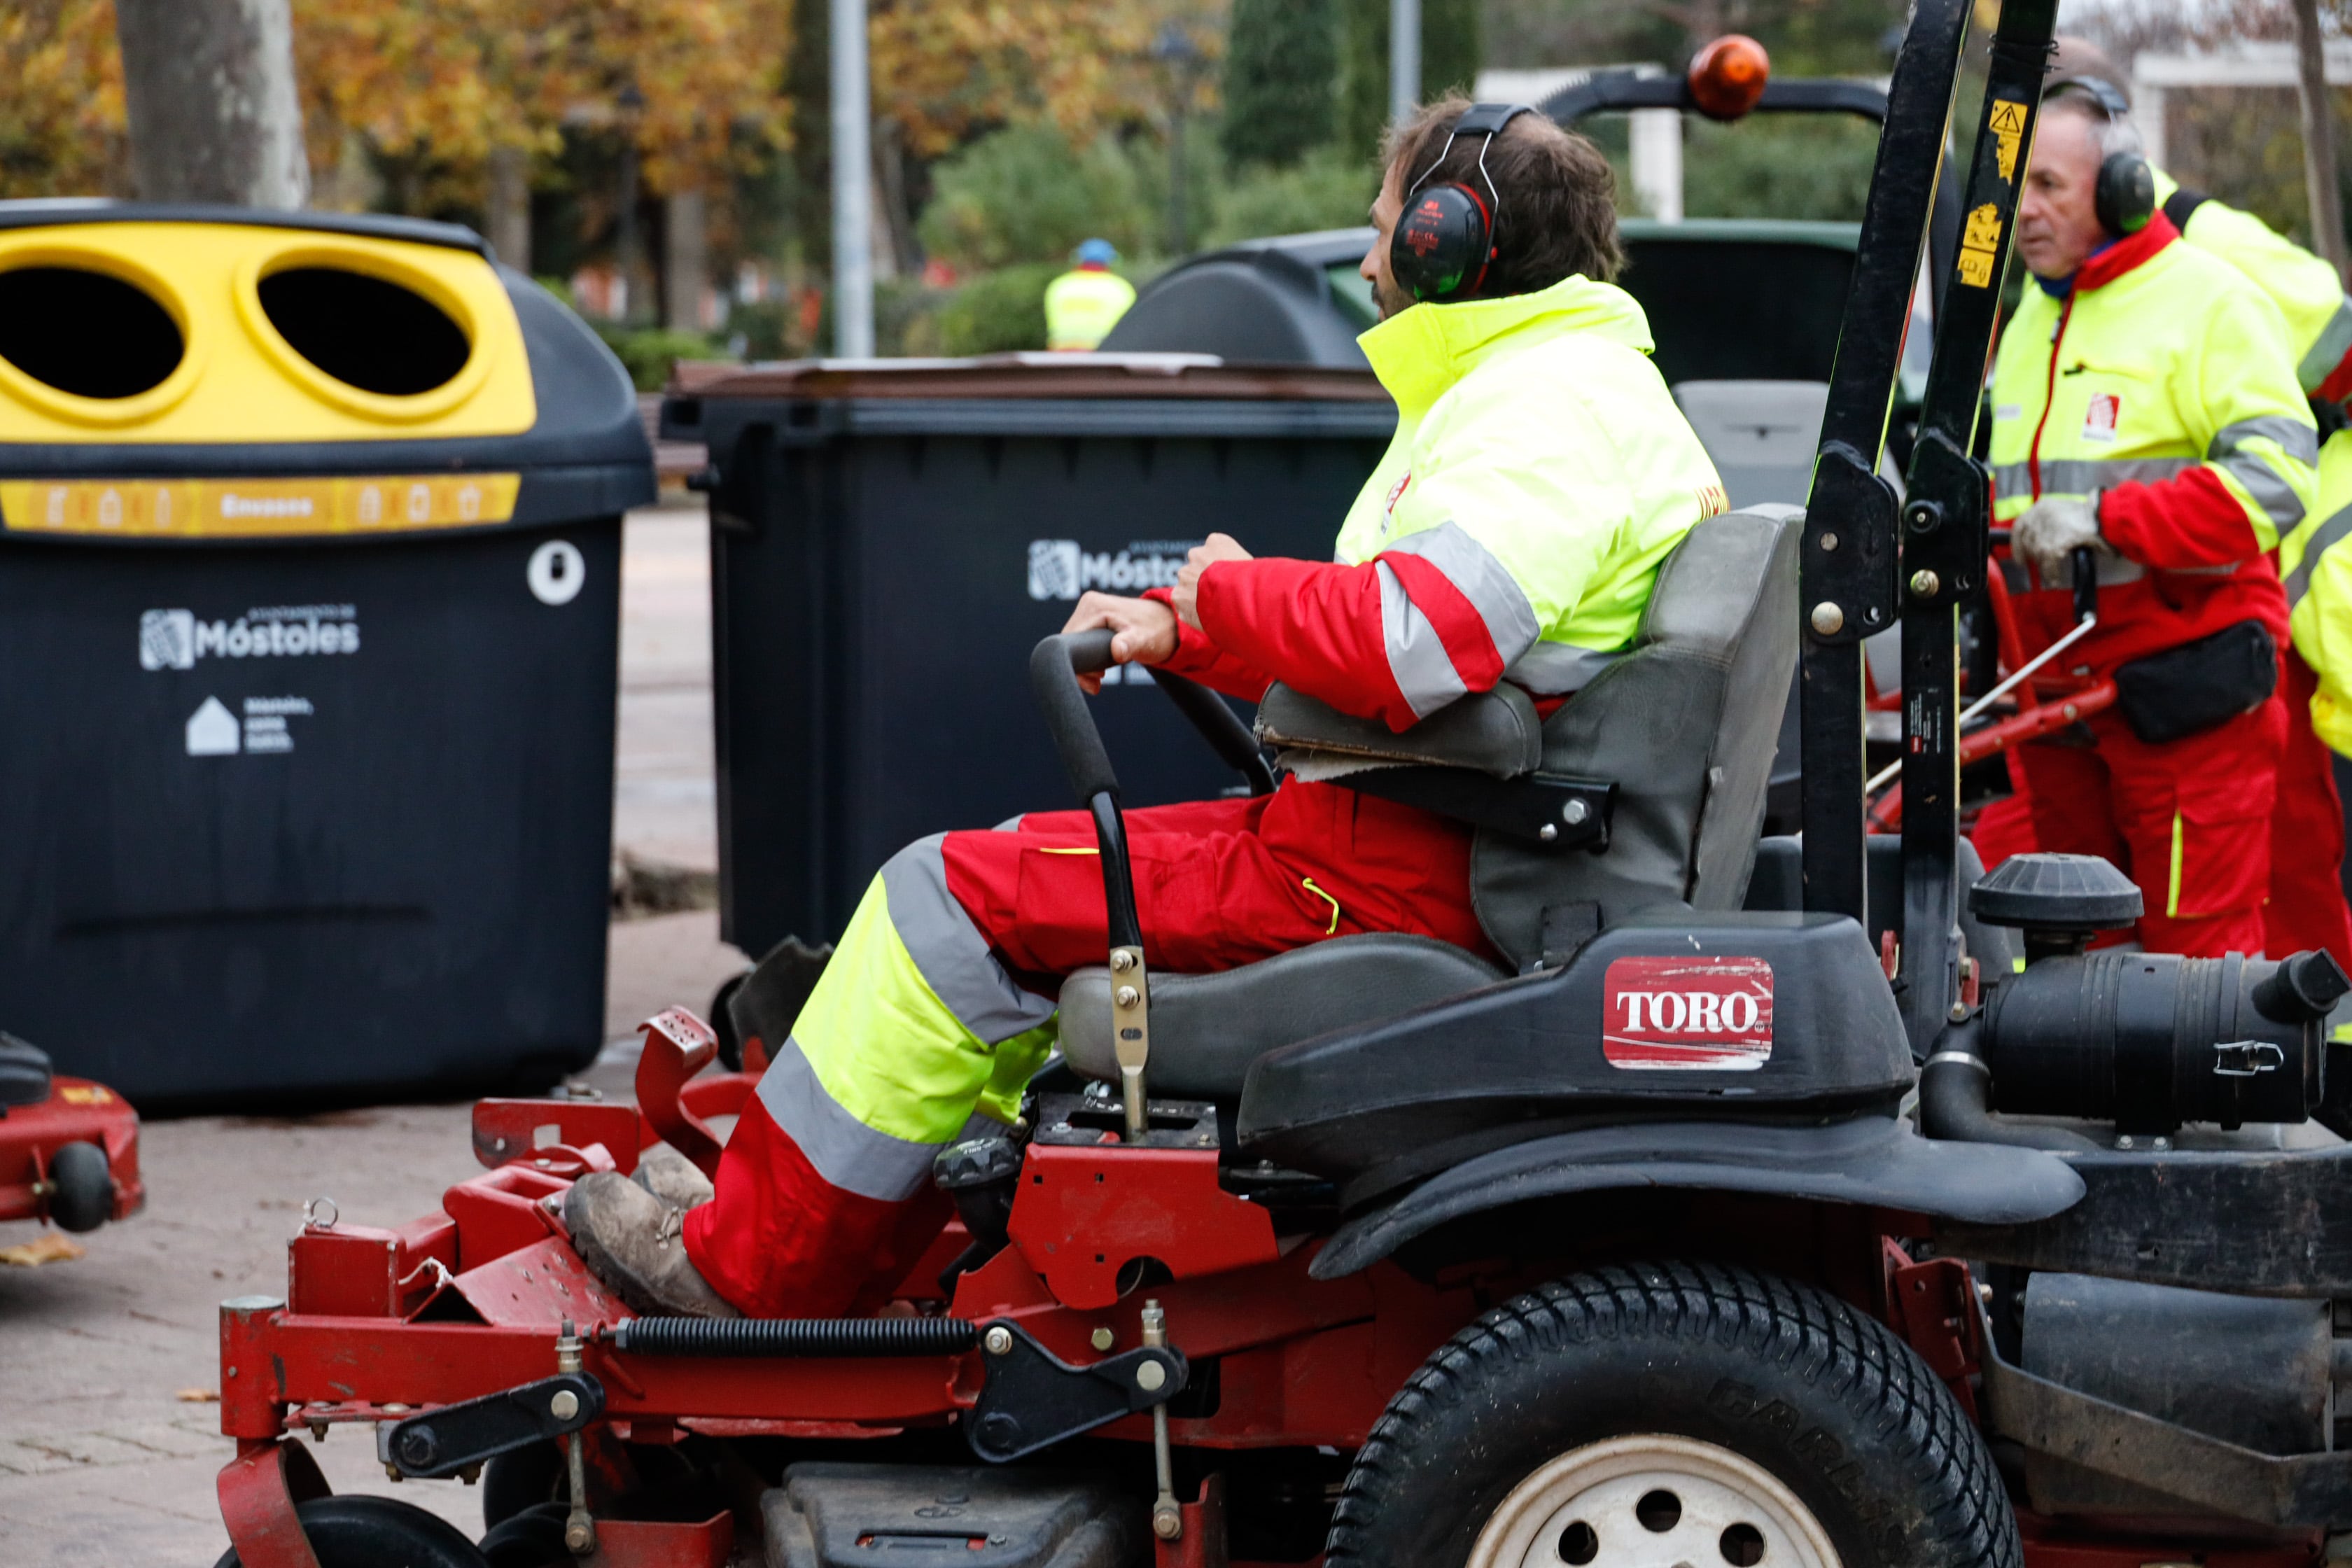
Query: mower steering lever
{"points": [[1055, 665]]}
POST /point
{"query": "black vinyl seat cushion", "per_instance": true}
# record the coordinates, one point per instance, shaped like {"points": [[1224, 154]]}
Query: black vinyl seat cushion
{"points": [[1206, 1029], [24, 1072]]}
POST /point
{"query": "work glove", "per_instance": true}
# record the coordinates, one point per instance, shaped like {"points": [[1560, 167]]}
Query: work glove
{"points": [[2046, 537]]}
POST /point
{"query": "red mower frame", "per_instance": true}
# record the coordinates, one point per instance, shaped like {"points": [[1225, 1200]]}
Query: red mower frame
{"points": [[1301, 1363]]}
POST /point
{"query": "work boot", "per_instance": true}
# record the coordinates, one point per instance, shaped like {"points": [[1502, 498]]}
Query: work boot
{"points": [[630, 1239], [672, 1177]]}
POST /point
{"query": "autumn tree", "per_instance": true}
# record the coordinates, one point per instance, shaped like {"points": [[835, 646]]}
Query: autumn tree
{"points": [[61, 117]]}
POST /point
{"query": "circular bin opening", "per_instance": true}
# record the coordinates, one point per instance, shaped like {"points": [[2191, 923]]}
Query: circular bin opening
{"points": [[87, 333], [367, 333]]}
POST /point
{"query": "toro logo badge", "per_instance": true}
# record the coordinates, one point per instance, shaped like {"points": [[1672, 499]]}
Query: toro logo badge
{"points": [[1691, 1013]]}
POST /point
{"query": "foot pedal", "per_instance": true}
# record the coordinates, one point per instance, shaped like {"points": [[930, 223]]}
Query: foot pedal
{"points": [[855, 1516]]}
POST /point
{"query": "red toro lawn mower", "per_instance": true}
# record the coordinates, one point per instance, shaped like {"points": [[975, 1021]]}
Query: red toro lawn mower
{"points": [[69, 1147], [1745, 1219]]}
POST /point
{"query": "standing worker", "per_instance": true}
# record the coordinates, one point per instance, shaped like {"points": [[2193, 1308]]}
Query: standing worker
{"points": [[2145, 408], [2307, 906], [1083, 304]]}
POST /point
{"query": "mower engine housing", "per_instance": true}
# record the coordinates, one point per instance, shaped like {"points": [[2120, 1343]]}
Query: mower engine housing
{"points": [[2149, 1041]]}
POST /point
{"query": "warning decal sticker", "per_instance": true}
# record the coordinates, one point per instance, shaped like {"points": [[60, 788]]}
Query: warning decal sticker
{"points": [[1690, 1013]]}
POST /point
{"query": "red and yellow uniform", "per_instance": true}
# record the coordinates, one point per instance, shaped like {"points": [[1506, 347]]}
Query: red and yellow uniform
{"points": [[2160, 383], [1540, 473]]}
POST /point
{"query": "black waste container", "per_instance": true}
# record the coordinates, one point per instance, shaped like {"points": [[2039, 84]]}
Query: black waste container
{"points": [[310, 550], [888, 542]]}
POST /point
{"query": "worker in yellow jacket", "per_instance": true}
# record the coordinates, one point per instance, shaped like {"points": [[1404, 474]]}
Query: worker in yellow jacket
{"points": [[1085, 303], [2307, 897], [2145, 408]]}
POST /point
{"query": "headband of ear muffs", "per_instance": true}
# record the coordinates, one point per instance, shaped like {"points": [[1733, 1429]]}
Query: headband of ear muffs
{"points": [[2125, 193], [1444, 239]]}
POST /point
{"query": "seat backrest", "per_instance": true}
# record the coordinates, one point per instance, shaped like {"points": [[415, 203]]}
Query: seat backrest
{"points": [[1684, 724]]}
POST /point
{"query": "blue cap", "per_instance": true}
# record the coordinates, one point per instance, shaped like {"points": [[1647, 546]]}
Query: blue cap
{"points": [[1098, 252]]}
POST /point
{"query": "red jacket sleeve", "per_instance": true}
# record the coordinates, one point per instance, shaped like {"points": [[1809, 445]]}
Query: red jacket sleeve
{"points": [[1198, 657], [1393, 639], [2187, 521]]}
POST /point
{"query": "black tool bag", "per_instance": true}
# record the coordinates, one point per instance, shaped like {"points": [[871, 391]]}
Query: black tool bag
{"points": [[2194, 687]]}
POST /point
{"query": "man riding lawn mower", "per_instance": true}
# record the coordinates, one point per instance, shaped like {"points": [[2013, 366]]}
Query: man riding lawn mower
{"points": [[1409, 1192]]}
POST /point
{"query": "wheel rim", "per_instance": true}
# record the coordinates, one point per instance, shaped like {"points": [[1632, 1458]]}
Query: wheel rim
{"points": [[1653, 1501]]}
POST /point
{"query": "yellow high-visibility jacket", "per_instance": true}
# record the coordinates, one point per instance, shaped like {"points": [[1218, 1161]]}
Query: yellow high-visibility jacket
{"points": [[1082, 306], [2160, 383]]}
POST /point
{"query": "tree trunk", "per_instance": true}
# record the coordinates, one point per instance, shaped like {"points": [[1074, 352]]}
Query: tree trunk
{"points": [[685, 259], [2318, 138], [209, 87], [509, 214]]}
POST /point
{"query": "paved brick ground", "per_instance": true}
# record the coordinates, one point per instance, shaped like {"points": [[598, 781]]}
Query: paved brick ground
{"points": [[101, 1465]]}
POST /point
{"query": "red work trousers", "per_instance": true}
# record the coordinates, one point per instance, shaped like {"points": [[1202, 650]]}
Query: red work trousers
{"points": [[2189, 821], [823, 1201], [2307, 908]]}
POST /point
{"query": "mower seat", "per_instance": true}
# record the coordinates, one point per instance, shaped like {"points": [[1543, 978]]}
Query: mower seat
{"points": [[24, 1072], [1206, 1029], [1684, 722]]}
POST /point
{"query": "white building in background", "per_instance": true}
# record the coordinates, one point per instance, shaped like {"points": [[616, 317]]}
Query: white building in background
{"points": [[2269, 65]]}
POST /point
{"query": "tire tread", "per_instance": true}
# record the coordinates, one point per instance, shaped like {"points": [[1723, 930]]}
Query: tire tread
{"points": [[1799, 1331]]}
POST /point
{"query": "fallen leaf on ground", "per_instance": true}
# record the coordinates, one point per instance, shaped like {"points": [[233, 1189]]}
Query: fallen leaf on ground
{"points": [[50, 1246], [198, 1396]]}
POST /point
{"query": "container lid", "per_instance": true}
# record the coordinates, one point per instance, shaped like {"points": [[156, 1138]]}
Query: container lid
{"points": [[173, 374], [1140, 397], [1031, 375]]}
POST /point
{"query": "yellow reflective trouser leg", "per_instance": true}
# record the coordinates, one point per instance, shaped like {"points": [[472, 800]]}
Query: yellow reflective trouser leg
{"points": [[913, 1029]]}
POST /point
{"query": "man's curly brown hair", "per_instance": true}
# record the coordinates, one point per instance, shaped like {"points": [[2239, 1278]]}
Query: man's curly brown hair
{"points": [[1558, 212]]}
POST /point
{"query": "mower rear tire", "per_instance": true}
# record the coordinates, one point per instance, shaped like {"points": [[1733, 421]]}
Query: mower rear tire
{"points": [[359, 1531], [84, 1197], [1606, 1417]]}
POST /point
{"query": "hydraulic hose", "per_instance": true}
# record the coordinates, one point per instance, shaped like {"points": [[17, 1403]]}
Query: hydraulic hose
{"points": [[797, 1336], [1956, 1091]]}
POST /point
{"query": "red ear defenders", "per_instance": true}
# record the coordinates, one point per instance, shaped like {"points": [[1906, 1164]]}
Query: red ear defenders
{"points": [[2125, 193], [1444, 240]]}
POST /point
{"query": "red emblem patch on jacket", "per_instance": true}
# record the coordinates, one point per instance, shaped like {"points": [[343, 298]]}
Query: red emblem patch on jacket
{"points": [[2099, 420], [1694, 1013], [1397, 494]]}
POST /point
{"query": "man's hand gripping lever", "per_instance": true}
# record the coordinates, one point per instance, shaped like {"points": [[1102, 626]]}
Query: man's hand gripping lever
{"points": [[1053, 670]]}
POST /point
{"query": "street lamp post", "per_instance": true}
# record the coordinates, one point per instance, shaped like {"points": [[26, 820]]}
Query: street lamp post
{"points": [[853, 186], [626, 240], [1175, 50], [1404, 59]]}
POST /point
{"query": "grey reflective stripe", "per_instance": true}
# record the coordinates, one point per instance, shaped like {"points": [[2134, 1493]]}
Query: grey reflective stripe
{"points": [[2296, 438], [2322, 537], [2269, 491], [1486, 582], [2335, 342], [2272, 494], [951, 952], [2081, 475], [844, 1151], [2014, 480], [1424, 670], [1549, 668]]}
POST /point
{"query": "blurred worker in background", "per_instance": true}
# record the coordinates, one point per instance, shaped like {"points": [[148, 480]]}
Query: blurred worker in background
{"points": [[2146, 411], [1083, 304], [2307, 906]]}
